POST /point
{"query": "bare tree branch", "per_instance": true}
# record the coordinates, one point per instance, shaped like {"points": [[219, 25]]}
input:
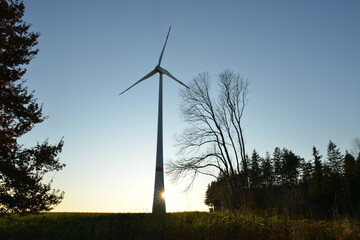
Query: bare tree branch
{"points": [[356, 147], [213, 144]]}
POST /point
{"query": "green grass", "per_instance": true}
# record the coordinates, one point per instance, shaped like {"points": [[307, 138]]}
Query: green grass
{"points": [[195, 225]]}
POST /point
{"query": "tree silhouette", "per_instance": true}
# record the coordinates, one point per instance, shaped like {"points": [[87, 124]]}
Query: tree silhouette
{"points": [[288, 184], [255, 171], [315, 191], [290, 166], [214, 143], [267, 172], [318, 169], [277, 166], [351, 196], [21, 169], [334, 159]]}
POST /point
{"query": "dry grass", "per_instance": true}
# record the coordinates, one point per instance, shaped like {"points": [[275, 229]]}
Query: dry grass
{"points": [[196, 225]]}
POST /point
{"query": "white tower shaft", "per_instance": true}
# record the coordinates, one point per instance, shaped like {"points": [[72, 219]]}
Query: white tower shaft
{"points": [[159, 187]]}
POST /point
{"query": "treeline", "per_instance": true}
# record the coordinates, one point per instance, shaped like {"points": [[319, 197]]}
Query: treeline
{"points": [[322, 187]]}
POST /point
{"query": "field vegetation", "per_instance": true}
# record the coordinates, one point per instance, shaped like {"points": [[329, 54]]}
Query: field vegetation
{"points": [[189, 225]]}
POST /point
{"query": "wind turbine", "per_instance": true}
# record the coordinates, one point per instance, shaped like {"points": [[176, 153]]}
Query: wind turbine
{"points": [[159, 188]]}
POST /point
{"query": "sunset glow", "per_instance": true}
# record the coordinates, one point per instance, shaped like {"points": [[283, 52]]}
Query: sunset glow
{"points": [[301, 58]]}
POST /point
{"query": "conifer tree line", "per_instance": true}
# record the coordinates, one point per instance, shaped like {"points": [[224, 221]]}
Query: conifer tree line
{"points": [[321, 187]]}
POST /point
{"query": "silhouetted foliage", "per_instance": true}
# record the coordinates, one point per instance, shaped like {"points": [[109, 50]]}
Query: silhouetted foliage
{"points": [[218, 192], [254, 173], [289, 185], [21, 169], [267, 172], [334, 159]]}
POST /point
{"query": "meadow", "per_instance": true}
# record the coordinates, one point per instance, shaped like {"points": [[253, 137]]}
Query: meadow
{"points": [[189, 225]]}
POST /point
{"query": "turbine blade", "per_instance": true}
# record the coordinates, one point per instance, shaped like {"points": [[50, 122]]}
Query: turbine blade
{"points": [[142, 79], [164, 71], [162, 52]]}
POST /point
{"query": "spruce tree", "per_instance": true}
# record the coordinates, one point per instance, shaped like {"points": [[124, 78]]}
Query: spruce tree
{"points": [[318, 169], [277, 166], [290, 167], [335, 159], [316, 187], [267, 171], [255, 171], [22, 170]]}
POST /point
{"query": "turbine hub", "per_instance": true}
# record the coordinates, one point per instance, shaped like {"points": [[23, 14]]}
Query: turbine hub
{"points": [[158, 68]]}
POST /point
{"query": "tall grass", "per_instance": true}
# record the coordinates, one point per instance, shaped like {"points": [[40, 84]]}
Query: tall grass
{"points": [[195, 225]]}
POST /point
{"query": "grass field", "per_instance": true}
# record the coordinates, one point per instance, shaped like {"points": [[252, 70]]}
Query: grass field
{"points": [[195, 225]]}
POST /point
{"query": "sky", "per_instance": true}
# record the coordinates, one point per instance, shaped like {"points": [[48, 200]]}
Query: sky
{"points": [[302, 59]]}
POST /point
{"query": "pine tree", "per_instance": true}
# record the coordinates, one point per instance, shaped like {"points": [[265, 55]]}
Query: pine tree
{"points": [[21, 169]]}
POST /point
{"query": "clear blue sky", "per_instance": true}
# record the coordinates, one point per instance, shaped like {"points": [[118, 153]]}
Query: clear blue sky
{"points": [[302, 58]]}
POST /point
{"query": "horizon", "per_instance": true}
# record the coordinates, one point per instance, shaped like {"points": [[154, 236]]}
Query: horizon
{"points": [[301, 60]]}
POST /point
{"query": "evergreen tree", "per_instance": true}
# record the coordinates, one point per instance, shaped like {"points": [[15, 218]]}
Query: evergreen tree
{"points": [[290, 167], [306, 169], [255, 173], [318, 171], [351, 198], [217, 194], [350, 166], [333, 182], [277, 166], [267, 171], [21, 170], [334, 158], [315, 191]]}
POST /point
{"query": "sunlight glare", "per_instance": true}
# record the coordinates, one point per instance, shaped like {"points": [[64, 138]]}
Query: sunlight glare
{"points": [[163, 195], [175, 198]]}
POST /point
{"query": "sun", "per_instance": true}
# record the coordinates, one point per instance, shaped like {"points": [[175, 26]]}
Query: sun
{"points": [[164, 195], [173, 197]]}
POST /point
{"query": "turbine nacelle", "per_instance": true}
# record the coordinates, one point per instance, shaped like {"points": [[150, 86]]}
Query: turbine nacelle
{"points": [[158, 68]]}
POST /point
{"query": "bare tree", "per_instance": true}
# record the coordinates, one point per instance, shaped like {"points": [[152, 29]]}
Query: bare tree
{"points": [[356, 147], [214, 143]]}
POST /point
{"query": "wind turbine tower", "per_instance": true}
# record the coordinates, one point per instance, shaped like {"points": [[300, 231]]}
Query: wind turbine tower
{"points": [[159, 187]]}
